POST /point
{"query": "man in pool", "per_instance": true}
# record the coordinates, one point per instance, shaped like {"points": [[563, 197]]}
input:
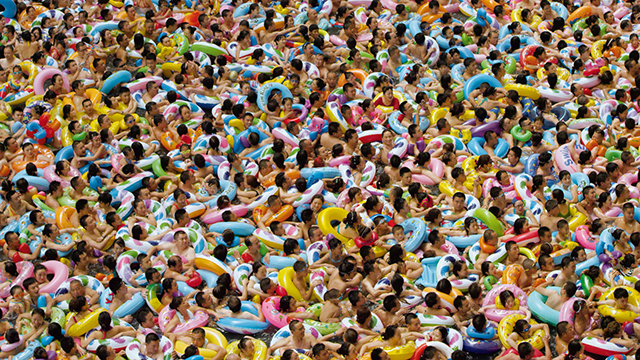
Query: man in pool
{"points": [[555, 300], [299, 339]]}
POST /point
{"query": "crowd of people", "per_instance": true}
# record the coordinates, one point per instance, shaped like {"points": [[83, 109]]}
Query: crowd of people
{"points": [[350, 179]]}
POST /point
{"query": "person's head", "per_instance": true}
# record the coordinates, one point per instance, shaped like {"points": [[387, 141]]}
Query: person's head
{"points": [[621, 297]]}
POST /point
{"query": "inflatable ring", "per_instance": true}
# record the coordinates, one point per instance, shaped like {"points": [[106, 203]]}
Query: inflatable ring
{"points": [[212, 336], [580, 13], [360, 75], [493, 297], [87, 323], [266, 89], [505, 328], [620, 315], [46, 74], [115, 79], [134, 350], [30, 68], [243, 326], [260, 349], [285, 213], [518, 134], [474, 82], [524, 90], [210, 263], [489, 220]]}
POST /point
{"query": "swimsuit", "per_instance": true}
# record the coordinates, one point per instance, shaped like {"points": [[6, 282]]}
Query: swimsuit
{"points": [[565, 215]]}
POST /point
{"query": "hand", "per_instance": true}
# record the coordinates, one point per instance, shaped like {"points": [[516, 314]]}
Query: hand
{"points": [[128, 318]]}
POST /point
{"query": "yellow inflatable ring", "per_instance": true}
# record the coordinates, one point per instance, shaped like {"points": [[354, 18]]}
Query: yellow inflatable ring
{"points": [[87, 323], [212, 336], [621, 316], [524, 90], [285, 279], [324, 222], [260, 349], [505, 328]]}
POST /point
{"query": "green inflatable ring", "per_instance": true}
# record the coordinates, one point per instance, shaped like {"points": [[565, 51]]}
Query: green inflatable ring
{"points": [[612, 154], [579, 25], [509, 64], [37, 202], [466, 39], [485, 64], [519, 135], [489, 220], [157, 168], [489, 281], [242, 248], [66, 200], [587, 283], [603, 29], [79, 137], [459, 96], [144, 121], [323, 328]]}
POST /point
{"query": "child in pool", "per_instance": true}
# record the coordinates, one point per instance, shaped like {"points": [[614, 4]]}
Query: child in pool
{"points": [[16, 303], [564, 233], [479, 324], [508, 301], [332, 311]]}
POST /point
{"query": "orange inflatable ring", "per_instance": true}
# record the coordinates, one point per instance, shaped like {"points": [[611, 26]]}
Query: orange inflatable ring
{"points": [[491, 4], [424, 8], [63, 217], [580, 13], [615, 51], [22, 18], [167, 141], [446, 297], [192, 19], [486, 248], [431, 18], [5, 171], [538, 282], [634, 142], [292, 174], [360, 75], [19, 165], [282, 215], [511, 274]]}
